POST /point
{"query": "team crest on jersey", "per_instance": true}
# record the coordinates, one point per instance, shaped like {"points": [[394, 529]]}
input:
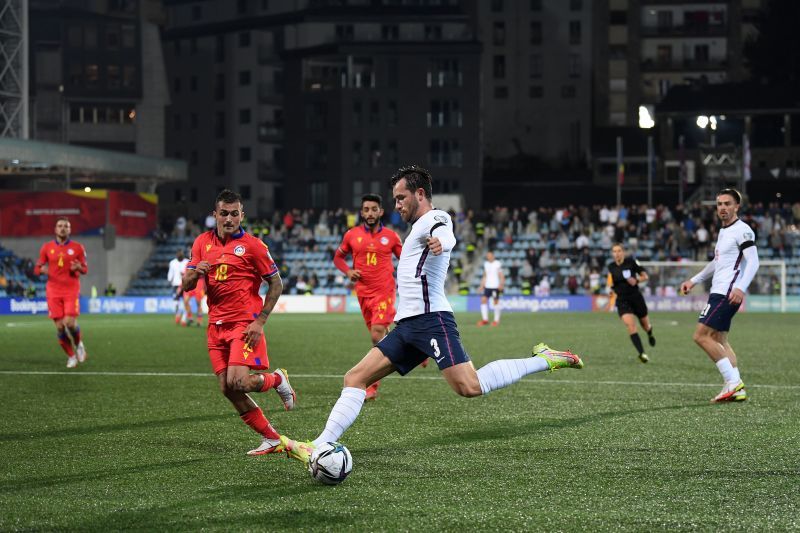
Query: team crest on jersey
{"points": [[440, 218], [358, 239], [238, 251], [747, 236], [71, 251], [384, 241], [208, 247]]}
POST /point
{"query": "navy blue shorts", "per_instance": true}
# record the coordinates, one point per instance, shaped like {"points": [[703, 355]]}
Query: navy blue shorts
{"points": [[718, 312], [491, 293], [416, 338]]}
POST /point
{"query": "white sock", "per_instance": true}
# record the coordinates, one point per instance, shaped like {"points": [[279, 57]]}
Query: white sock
{"points": [[504, 372], [727, 370], [497, 312], [485, 312], [343, 414], [736, 377]]}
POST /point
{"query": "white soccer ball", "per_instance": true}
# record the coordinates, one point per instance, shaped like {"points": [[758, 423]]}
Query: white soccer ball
{"points": [[330, 463]]}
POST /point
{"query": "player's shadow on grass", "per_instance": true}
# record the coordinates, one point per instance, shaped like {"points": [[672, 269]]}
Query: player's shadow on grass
{"points": [[505, 430], [37, 483], [105, 428]]}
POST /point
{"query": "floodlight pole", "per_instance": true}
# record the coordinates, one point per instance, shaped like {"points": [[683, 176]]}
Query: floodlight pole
{"points": [[619, 170]]}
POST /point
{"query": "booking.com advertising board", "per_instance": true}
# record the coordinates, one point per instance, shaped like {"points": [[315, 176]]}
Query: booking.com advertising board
{"points": [[349, 304]]}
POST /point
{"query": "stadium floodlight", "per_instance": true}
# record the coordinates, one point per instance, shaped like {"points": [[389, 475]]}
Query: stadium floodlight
{"points": [[712, 121], [702, 121], [646, 117]]}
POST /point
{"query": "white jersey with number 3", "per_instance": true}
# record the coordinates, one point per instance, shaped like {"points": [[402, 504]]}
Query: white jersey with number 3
{"points": [[729, 257], [420, 274]]}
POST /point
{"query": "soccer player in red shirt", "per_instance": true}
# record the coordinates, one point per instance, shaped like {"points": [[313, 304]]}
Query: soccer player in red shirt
{"points": [[63, 261], [197, 295], [233, 264], [372, 246]]}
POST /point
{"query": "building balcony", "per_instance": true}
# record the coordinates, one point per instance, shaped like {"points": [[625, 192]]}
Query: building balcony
{"points": [[270, 132], [685, 30], [678, 65]]}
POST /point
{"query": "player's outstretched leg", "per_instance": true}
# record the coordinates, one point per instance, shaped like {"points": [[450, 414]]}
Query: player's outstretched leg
{"points": [[297, 449], [504, 372]]}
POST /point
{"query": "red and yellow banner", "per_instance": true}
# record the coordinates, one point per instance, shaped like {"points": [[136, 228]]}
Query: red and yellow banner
{"points": [[34, 214]]}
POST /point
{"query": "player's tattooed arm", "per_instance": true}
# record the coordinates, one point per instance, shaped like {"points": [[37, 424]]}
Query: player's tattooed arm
{"points": [[274, 292]]}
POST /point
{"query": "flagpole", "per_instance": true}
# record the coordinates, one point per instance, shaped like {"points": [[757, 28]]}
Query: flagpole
{"points": [[746, 172], [682, 170], [620, 170], [650, 170]]}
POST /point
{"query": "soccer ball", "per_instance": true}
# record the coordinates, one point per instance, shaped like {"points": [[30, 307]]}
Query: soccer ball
{"points": [[330, 463]]}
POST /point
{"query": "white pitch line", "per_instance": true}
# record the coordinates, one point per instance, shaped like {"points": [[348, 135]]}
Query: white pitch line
{"points": [[418, 378]]}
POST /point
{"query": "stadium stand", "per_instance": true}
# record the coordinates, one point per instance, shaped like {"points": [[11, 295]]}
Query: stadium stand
{"points": [[544, 251]]}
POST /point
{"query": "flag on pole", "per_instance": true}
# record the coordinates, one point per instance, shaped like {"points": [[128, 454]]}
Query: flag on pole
{"points": [[621, 174], [746, 159]]}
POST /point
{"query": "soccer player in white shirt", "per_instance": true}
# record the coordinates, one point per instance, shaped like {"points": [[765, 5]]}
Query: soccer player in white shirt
{"points": [[734, 266], [425, 324], [492, 284], [175, 277]]}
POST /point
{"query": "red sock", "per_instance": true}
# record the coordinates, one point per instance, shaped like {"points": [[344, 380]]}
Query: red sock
{"points": [[258, 422], [66, 344], [270, 381]]}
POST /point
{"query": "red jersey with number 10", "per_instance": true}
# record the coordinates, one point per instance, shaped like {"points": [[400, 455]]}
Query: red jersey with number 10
{"points": [[372, 256], [61, 279], [238, 266]]}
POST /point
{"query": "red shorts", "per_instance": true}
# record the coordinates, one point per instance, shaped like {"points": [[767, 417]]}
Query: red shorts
{"points": [[197, 294], [60, 306], [226, 348], [378, 310]]}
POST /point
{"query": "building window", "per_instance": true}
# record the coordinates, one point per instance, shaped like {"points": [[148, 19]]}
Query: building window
{"points": [[193, 161], [176, 85], [497, 6], [75, 36], [499, 67], [316, 115], [92, 75], [316, 155], [357, 114], [536, 5], [177, 47], [618, 17], [113, 77], [374, 113], [244, 154], [244, 78], [575, 32], [445, 113], [374, 154], [574, 66], [197, 12], [128, 36], [344, 32], [244, 39], [193, 46], [536, 91], [112, 37], [358, 192], [390, 32], [319, 194], [536, 65], [568, 91], [193, 84], [444, 73], [193, 121], [356, 156], [176, 122], [392, 115], [241, 7], [244, 116], [128, 76], [445, 153], [536, 32], [501, 92], [433, 32], [391, 154], [575, 5], [499, 33], [392, 73]]}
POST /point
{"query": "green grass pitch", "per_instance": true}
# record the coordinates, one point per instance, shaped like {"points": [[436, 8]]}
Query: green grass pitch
{"points": [[139, 437]]}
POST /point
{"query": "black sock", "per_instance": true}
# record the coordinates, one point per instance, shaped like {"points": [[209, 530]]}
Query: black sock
{"points": [[650, 332], [650, 338], [637, 342]]}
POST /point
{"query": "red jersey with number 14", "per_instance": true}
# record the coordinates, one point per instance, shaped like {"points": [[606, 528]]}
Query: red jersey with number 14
{"points": [[238, 266], [372, 256], [61, 279]]}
